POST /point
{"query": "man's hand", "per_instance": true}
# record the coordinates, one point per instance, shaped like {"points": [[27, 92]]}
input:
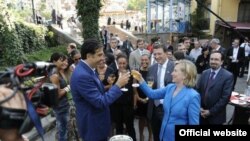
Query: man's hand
{"points": [[123, 79], [16, 102], [204, 113]]}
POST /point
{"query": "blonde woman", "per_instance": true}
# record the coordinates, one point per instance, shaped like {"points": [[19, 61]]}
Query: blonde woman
{"points": [[181, 102]]}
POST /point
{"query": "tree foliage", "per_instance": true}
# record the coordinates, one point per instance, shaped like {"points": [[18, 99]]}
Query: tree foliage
{"points": [[136, 5], [88, 10], [17, 38], [198, 21]]}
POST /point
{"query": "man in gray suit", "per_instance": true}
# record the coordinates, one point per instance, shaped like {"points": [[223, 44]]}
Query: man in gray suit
{"points": [[135, 56], [215, 86], [161, 71]]}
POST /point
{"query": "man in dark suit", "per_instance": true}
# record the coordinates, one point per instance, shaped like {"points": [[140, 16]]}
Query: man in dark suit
{"points": [[215, 46], [161, 72], [215, 86], [91, 100], [113, 45], [127, 46], [235, 56]]}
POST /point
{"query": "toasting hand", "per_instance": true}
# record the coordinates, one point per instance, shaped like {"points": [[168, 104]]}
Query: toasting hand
{"points": [[137, 75], [123, 79]]}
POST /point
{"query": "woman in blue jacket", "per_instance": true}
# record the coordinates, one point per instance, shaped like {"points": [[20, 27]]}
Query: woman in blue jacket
{"points": [[181, 102]]}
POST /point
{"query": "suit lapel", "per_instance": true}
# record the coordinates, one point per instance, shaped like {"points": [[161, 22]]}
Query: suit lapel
{"points": [[207, 74], [178, 97], [167, 76], [91, 72], [155, 75], [168, 100], [98, 82]]}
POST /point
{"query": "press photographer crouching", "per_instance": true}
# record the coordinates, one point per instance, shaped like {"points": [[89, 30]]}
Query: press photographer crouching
{"points": [[23, 97]]}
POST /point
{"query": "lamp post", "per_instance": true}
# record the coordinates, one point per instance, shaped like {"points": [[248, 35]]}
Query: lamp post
{"points": [[148, 17], [33, 10]]}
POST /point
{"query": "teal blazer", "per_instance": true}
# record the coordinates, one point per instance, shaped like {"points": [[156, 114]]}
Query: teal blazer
{"points": [[183, 109]]}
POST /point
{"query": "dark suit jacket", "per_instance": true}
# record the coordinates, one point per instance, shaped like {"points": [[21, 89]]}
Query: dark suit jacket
{"points": [[127, 47], [168, 79], [92, 103], [218, 94], [240, 56], [221, 49]]}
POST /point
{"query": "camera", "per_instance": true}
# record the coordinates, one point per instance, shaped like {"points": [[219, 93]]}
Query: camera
{"points": [[46, 95], [30, 80]]}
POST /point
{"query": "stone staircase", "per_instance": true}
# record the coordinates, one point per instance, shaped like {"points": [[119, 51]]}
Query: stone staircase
{"points": [[122, 33]]}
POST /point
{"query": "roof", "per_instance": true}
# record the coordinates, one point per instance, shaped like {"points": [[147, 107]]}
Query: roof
{"points": [[235, 25]]}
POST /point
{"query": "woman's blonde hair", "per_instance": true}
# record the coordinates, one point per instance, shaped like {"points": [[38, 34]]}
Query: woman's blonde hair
{"points": [[189, 70]]}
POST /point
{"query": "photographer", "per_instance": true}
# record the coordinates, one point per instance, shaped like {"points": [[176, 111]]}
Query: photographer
{"points": [[15, 103]]}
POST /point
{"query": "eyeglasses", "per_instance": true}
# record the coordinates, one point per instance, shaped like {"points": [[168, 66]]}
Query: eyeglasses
{"points": [[77, 59]]}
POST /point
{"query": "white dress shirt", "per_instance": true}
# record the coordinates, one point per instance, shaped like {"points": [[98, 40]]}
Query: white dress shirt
{"points": [[162, 77]]}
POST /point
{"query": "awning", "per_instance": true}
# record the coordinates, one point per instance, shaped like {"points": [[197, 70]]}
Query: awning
{"points": [[235, 25]]}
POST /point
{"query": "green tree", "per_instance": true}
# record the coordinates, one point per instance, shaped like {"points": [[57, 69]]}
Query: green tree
{"points": [[88, 10], [198, 22], [136, 5]]}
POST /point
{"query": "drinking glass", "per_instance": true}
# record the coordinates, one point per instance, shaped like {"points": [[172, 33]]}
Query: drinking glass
{"points": [[150, 81], [137, 68], [123, 72]]}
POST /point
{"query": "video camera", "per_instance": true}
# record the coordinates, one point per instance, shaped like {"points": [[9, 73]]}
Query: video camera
{"points": [[31, 80]]}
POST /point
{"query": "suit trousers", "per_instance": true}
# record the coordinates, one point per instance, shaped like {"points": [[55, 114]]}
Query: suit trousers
{"points": [[157, 121], [234, 68]]}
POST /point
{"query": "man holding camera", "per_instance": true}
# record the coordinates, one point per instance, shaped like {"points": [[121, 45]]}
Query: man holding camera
{"points": [[11, 133], [91, 100]]}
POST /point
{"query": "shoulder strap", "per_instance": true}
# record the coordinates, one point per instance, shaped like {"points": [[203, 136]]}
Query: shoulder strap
{"points": [[34, 117]]}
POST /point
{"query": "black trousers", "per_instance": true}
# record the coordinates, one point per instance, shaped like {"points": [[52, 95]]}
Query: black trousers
{"points": [[243, 66], [157, 121], [234, 68], [124, 114]]}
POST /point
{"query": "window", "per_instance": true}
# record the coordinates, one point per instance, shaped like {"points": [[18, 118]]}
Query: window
{"points": [[244, 11]]}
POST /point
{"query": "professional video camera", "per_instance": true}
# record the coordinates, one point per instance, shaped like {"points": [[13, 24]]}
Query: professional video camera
{"points": [[29, 79]]}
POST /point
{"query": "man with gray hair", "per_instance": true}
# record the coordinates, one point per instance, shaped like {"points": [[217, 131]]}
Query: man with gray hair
{"points": [[215, 46]]}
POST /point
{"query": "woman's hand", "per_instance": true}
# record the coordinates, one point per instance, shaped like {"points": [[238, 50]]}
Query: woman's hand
{"points": [[137, 75]]}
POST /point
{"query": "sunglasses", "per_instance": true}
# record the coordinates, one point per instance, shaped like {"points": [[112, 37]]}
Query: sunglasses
{"points": [[77, 59]]}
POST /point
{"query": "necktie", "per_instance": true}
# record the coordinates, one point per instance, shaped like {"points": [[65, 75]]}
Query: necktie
{"points": [[157, 102], [209, 82]]}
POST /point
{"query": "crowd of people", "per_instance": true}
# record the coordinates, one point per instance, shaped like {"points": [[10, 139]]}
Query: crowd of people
{"points": [[176, 86], [185, 87]]}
